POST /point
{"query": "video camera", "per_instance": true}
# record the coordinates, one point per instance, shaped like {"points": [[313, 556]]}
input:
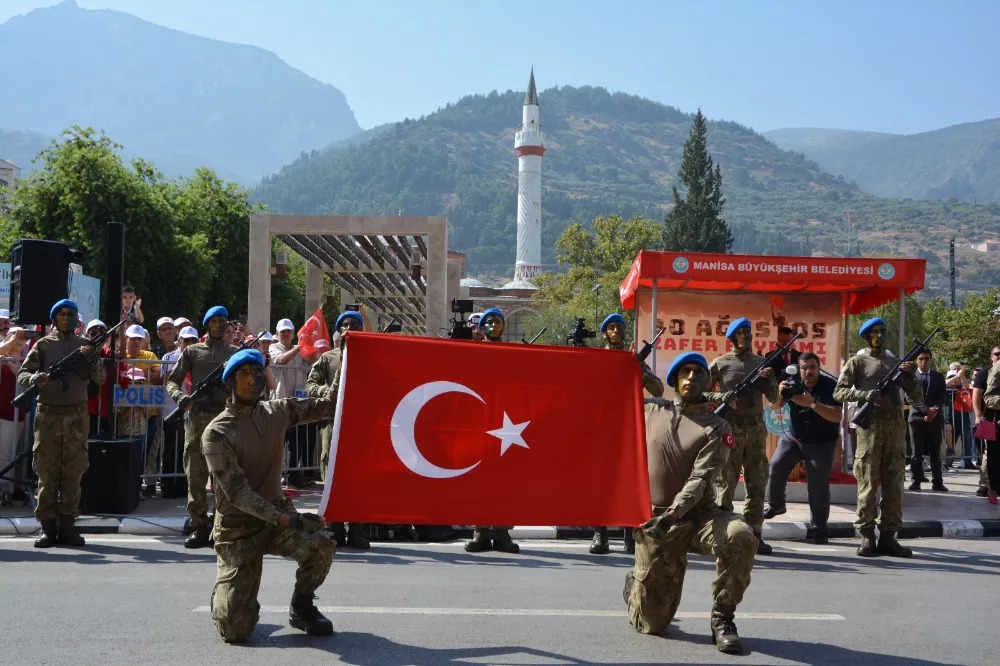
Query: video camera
{"points": [[578, 333], [461, 329], [795, 384]]}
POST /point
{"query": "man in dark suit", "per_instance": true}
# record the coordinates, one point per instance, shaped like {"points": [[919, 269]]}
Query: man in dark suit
{"points": [[790, 357], [927, 424]]}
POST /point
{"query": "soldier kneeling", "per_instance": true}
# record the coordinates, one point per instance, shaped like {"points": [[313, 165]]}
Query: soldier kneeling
{"points": [[244, 447], [687, 446]]}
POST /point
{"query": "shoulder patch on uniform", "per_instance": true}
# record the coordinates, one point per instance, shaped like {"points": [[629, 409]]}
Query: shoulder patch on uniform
{"points": [[728, 440]]}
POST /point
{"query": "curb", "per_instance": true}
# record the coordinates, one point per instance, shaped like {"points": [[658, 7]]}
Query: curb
{"points": [[793, 531]]}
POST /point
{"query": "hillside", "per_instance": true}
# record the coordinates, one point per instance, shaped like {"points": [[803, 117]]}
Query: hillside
{"points": [[177, 99], [605, 153], [961, 161], [21, 147]]}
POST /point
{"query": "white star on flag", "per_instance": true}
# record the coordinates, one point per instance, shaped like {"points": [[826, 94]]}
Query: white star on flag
{"points": [[509, 434]]}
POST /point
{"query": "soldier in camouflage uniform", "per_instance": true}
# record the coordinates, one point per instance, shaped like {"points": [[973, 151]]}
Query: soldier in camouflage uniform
{"points": [[613, 332], [687, 446], [880, 456], [61, 425], [491, 326], [746, 418], [244, 448], [325, 373], [199, 360]]}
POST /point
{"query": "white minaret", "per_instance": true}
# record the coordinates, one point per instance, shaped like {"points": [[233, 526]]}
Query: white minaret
{"points": [[529, 144]]}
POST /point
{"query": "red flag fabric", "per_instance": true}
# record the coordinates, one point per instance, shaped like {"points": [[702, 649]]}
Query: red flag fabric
{"points": [[449, 432], [314, 337]]}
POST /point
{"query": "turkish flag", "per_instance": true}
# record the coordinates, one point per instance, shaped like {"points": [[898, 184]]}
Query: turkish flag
{"points": [[449, 432], [314, 337]]}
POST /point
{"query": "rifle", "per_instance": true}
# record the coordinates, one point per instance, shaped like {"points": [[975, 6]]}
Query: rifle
{"points": [[862, 417], [748, 381], [60, 371], [532, 341], [647, 347], [211, 382]]}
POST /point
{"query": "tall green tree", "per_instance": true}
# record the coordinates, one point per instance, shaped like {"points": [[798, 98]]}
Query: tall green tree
{"points": [[601, 255], [695, 223], [969, 333]]}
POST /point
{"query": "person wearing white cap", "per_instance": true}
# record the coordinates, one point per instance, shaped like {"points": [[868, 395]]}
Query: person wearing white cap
{"points": [[4, 322], [135, 336], [477, 332], [291, 376], [172, 451], [167, 333], [182, 322]]}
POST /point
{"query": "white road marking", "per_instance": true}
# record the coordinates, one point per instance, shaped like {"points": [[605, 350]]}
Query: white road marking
{"points": [[93, 538], [810, 550], [531, 612]]}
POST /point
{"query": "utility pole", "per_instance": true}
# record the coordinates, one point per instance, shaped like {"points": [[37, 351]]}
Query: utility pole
{"points": [[951, 266], [597, 306]]}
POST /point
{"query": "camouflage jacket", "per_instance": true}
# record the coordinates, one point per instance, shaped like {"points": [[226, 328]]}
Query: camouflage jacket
{"points": [[686, 448], [199, 360], [50, 350], [728, 370], [244, 447], [991, 398], [324, 373], [860, 375]]}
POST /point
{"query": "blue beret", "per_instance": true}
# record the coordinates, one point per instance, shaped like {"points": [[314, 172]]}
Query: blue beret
{"points": [[217, 311], [742, 322], [491, 311], [683, 359], [242, 358], [350, 314], [611, 318], [64, 303], [870, 324]]}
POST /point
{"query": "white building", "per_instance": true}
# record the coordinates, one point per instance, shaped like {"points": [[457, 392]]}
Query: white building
{"points": [[9, 174]]}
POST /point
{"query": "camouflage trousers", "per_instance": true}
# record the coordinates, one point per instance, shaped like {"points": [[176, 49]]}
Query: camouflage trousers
{"points": [[658, 578], [195, 468], [750, 456], [240, 546], [60, 458], [880, 458]]}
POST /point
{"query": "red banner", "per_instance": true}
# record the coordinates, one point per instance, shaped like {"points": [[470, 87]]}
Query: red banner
{"points": [[476, 433]]}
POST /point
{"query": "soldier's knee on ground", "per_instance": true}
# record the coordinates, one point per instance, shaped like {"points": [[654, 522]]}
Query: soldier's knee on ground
{"points": [[236, 631]]}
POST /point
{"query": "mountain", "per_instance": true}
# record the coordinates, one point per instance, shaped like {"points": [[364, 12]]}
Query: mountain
{"points": [[176, 99], [961, 161], [606, 153], [21, 147]]}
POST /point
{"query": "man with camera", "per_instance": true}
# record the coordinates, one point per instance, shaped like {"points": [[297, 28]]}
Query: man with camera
{"points": [[812, 437]]}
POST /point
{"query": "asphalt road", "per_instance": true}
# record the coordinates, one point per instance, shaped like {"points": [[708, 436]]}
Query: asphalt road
{"points": [[144, 601]]}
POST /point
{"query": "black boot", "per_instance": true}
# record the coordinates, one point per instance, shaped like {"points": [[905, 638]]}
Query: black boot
{"points": [[887, 545], [49, 534], [338, 533], [867, 547], [68, 535], [303, 614], [629, 540], [199, 538], [724, 630], [356, 536], [600, 544], [480, 542], [763, 548], [503, 542]]}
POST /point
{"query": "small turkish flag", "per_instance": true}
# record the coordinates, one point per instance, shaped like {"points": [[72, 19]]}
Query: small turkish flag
{"points": [[314, 337], [449, 432]]}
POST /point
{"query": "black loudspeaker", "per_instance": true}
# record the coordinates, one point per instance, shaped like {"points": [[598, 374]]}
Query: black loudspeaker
{"points": [[39, 277], [114, 280], [111, 484]]}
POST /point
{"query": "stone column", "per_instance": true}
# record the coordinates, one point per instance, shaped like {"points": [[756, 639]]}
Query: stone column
{"points": [[314, 288], [259, 292], [437, 275]]}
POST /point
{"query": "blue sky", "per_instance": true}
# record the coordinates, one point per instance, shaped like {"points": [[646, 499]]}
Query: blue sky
{"points": [[900, 66]]}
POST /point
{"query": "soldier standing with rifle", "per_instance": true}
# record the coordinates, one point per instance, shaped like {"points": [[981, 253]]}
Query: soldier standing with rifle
{"points": [[323, 377], [61, 422], [200, 360], [880, 456], [746, 418], [491, 326], [613, 332]]}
